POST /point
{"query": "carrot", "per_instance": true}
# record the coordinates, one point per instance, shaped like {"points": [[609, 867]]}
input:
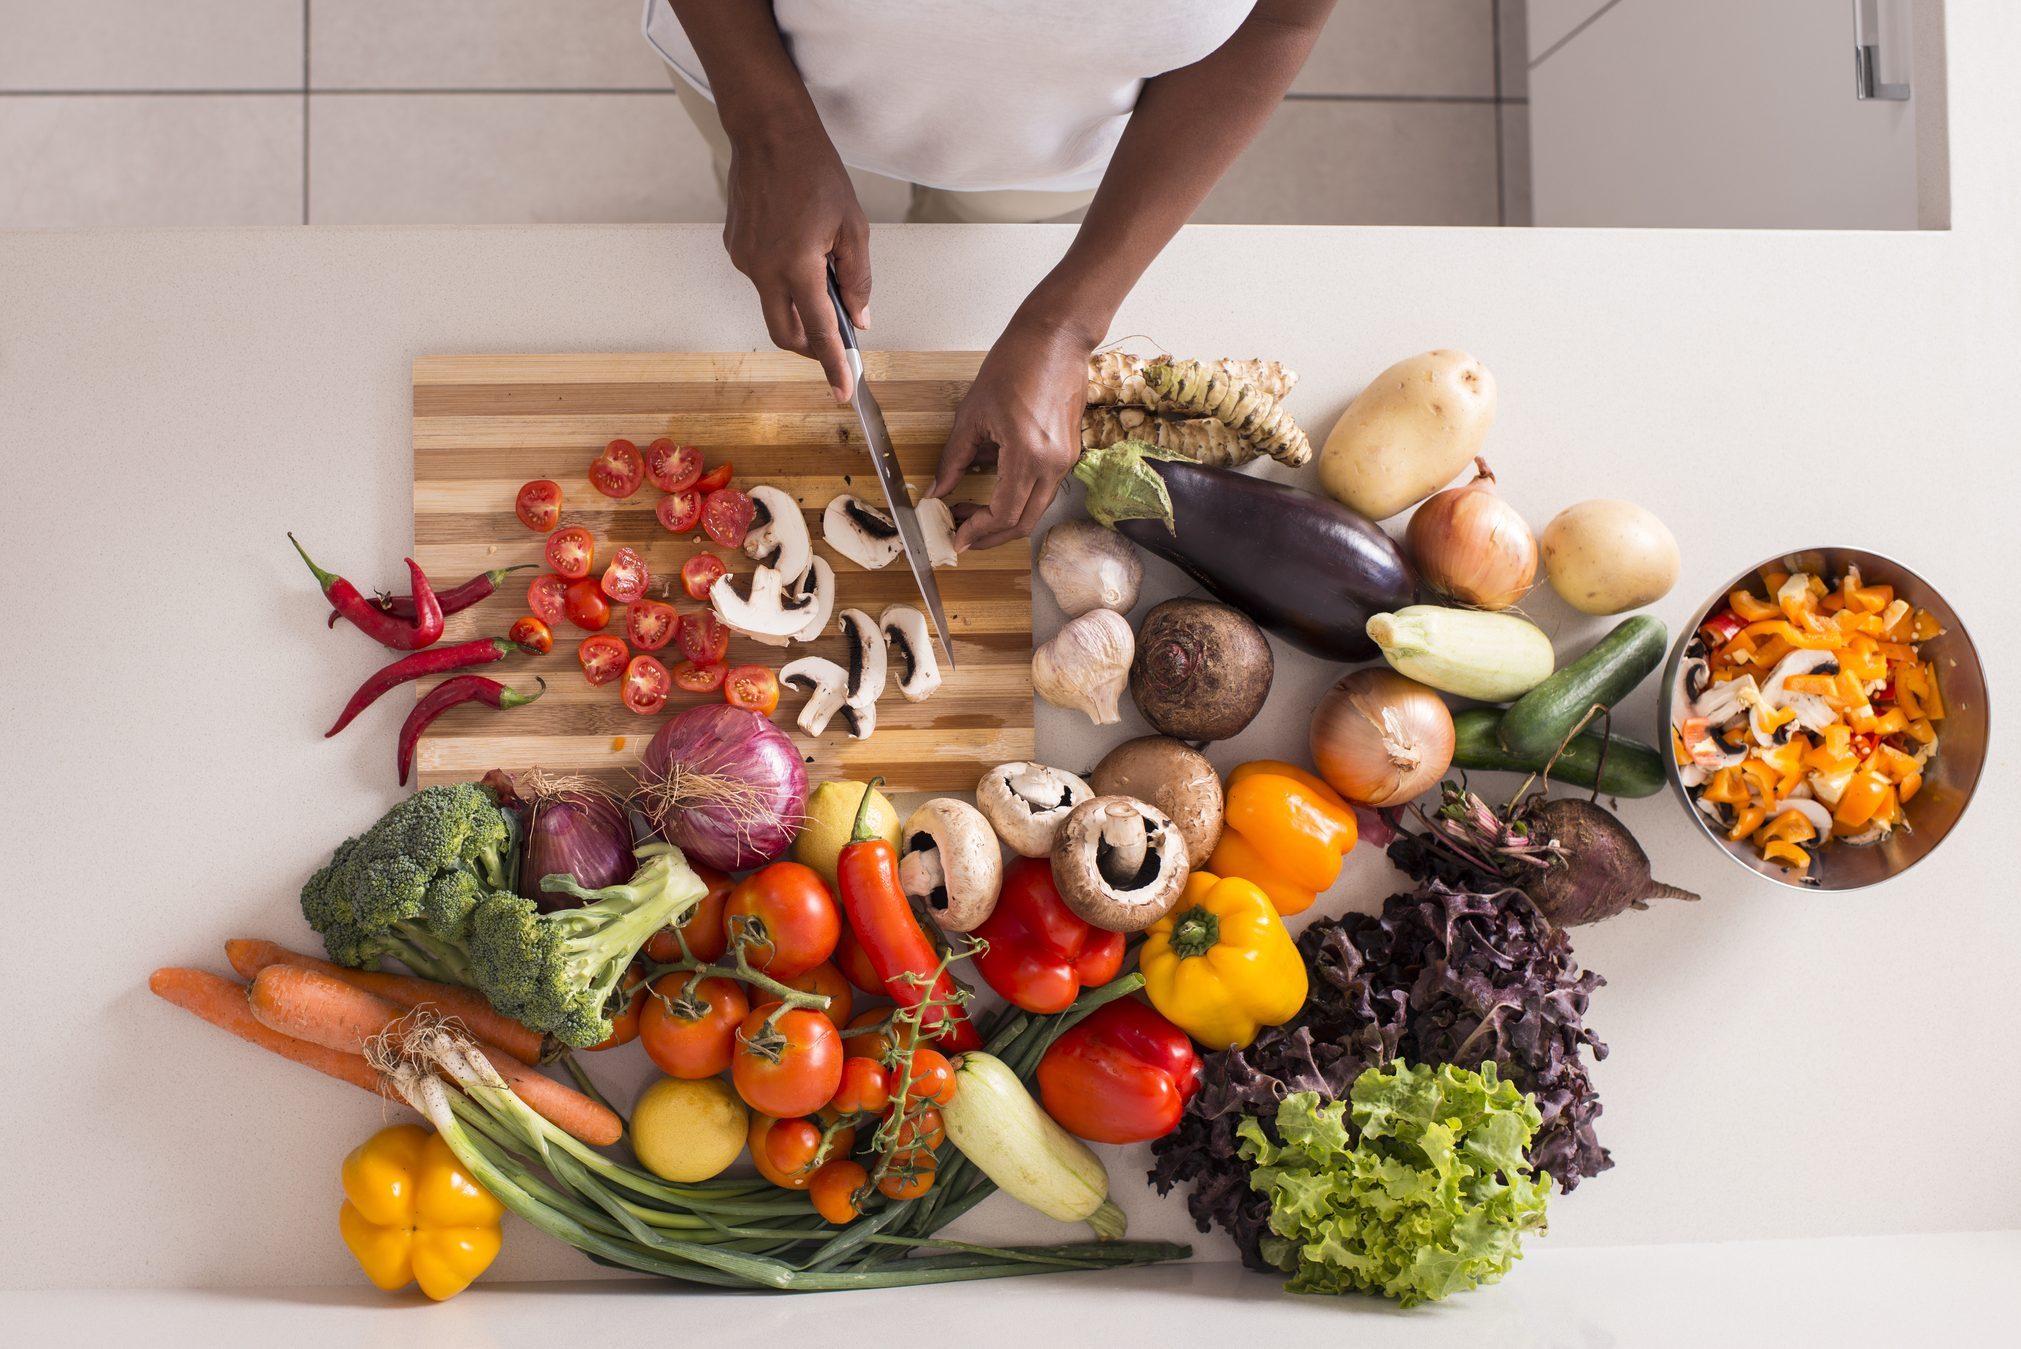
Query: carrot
{"points": [[466, 1005], [222, 1002], [330, 1012]]}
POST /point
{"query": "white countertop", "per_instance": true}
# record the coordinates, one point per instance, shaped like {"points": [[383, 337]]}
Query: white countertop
{"points": [[1784, 1066]]}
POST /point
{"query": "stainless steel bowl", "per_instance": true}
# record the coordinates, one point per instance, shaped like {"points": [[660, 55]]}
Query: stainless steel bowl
{"points": [[1953, 772]]}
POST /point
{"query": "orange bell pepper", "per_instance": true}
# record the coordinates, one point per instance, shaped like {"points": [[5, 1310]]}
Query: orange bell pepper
{"points": [[1284, 831], [1862, 797]]}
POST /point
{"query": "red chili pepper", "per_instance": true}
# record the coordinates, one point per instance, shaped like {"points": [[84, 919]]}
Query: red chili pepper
{"points": [[453, 600], [1041, 952], [447, 694], [880, 916], [424, 629], [441, 660], [1123, 1075]]}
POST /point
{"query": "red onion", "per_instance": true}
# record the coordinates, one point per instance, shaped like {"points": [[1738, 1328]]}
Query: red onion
{"points": [[724, 785], [574, 828]]}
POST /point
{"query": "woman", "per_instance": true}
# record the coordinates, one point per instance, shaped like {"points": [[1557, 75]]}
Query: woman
{"points": [[995, 110]]}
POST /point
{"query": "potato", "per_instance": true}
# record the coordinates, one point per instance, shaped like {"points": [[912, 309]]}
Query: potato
{"points": [[1606, 557], [1409, 433]]}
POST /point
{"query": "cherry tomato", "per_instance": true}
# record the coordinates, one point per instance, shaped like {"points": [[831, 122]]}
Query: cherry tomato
{"points": [[691, 1034], [530, 631], [726, 516], [875, 1045], [704, 639], [646, 685], [714, 480], [571, 551], [910, 1177], [834, 1189], [673, 468], [649, 625], [680, 512], [692, 678], [753, 688], [602, 658], [932, 1077], [699, 573], [625, 1024], [788, 917], [703, 928], [539, 505], [759, 1139], [547, 598], [854, 962], [922, 1129], [791, 1145], [865, 1087], [786, 1067], [624, 580], [826, 980], [618, 471], [585, 605]]}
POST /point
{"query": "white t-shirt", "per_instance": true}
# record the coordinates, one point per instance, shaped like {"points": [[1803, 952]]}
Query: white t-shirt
{"points": [[977, 95]]}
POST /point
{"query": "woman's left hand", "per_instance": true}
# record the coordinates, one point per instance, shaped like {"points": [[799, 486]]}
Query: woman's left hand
{"points": [[1022, 414]]}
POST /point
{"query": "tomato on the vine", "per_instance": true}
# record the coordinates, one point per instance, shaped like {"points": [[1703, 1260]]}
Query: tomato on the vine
{"points": [[827, 981], [692, 1033], [753, 688], [547, 597], [649, 625], [529, 631], [571, 552], [692, 678], [923, 1129], [789, 917], [727, 515], [680, 512], [624, 1022], [834, 1189], [585, 605], [702, 930], [791, 1145], [715, 479], [865, 1087], [932, 1077], [539, 505], [911, 1177], [602, 658], [879, 1046], [672, 468], [704, 640], [646, 685], [786, 1063], [701, 572], [618, 471], [624, 580]]}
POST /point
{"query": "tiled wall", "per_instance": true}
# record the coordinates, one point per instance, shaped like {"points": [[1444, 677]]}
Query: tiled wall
{"points": [[262, 112]]}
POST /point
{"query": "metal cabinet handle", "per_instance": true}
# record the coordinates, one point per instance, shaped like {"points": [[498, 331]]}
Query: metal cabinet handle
{"points": [[1867, 81]]}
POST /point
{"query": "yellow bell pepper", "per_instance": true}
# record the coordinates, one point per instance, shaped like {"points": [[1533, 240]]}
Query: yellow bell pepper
{"points": [[413, 1215], [1221, 965], [1284, 830]]}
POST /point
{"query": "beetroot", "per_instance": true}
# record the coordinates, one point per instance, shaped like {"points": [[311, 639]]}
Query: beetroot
{"points": [[1600, 869]]}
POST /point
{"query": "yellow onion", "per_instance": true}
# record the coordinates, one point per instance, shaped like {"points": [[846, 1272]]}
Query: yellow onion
{"points": [[1380, 739], [1472, 546]]}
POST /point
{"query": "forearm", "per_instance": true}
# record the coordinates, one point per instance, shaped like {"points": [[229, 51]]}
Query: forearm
{"points": [[758, 90], [1188, 127]]}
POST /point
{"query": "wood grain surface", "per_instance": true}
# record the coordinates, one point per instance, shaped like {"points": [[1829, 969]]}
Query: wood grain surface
{"points": [[485, 424]]}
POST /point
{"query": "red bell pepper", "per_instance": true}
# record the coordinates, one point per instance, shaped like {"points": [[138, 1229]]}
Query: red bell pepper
{"points": [[1040, 952], [1123, 1075]]}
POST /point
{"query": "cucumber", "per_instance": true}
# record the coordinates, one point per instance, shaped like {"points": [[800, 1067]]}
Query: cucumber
{"points": [[1541, 719], [1633, 768]]}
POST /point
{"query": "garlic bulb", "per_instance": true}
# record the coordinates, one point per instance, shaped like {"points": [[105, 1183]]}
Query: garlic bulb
{"points": [[1086, 666], [1087, 566]]}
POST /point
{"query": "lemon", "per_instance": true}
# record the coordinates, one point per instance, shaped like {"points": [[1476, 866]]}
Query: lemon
{"points": [[831, 823], [688, 1131]]}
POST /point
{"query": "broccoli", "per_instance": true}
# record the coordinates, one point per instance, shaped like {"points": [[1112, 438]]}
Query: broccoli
{"points": [[407, 887], [555, 971]]}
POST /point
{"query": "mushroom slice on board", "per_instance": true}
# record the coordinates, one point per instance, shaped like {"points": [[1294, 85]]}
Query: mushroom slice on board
{"points": [[1026, 803], [1120, 863], [817, 582], [910, 640], [860, 532], [936, 522], [827, 685], [866, 672], [951, 865], [778, 534], [765, 613]]}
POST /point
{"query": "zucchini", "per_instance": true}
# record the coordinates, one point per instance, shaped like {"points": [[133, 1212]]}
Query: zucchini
{"points": [[1633, 768], [1543, 717], [1491, 657], [994, 1122]]}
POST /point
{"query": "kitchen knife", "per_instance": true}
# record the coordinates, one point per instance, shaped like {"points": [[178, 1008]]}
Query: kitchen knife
{"points": [[890, 476]]}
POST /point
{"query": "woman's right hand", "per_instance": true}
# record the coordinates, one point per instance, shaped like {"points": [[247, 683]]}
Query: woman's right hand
{"points": [[791, 208]]}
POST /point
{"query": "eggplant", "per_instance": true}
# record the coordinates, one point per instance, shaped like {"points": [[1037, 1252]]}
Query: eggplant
{"points": [[1303, 566]]}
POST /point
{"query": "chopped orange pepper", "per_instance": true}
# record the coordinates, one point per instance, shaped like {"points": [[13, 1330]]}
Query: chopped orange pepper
{"points": [[1727, 788], [1825, 686], [1792, 825], [1752, 610], [1791, 856], [1933, 699], [1911, 784], [1921, 731], [1749, 820], [1862, 797], [1891, 722], [1925, 627]]}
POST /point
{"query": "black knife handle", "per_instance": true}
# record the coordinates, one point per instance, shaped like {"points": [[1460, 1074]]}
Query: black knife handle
{"points": [[841, 311]]}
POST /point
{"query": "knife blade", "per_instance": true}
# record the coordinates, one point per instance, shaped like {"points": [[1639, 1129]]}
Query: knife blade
{"points": [[890, 476]]}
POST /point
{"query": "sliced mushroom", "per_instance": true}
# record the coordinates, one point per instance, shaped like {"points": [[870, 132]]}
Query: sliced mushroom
{"points": [[827, 686], [1171, 776], [908, 637], [765, 613], [936, 522], [951, 864], [866, 672], [778, 533], [817, 583], [1812, 712], [1026, 803], [860, 532], [1120, 863]]}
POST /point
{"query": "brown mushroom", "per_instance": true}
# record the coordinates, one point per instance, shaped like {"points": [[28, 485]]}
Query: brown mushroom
{"points": [[951, 865], [1175, 778], [1026, 803], [1120, 863]]}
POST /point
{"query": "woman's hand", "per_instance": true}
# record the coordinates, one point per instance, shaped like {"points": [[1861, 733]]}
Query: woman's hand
{"points": [[1022, 414]]}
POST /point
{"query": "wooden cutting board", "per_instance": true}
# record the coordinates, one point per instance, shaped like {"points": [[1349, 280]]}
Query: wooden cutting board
{"points": [[485, 424]]}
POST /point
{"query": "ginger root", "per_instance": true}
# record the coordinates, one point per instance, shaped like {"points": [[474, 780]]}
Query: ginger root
{"points": [[1117, 377], [1246, 408], [1201, 439]]}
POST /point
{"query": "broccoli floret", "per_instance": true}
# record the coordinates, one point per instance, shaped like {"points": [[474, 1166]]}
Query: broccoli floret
{"points": [[555, 971], [406, 888]]}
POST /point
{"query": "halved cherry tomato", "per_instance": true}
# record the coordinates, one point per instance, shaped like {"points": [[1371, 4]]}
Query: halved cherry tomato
{"points": [[602, 658], [530, 631], [680, 512], [865, 1086], [692, 1034], [691, 677], [699, 573], [624, 580], [618, 471], [753, 688], [571, 552], [726, 516], [715, 478], [539, 505], [932, 1077], [547, 597], [585, 605], [703, 929], [834, 1189], [704, 639], [672, 468], [646, 685], [649, 625], [786, 1063]]}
